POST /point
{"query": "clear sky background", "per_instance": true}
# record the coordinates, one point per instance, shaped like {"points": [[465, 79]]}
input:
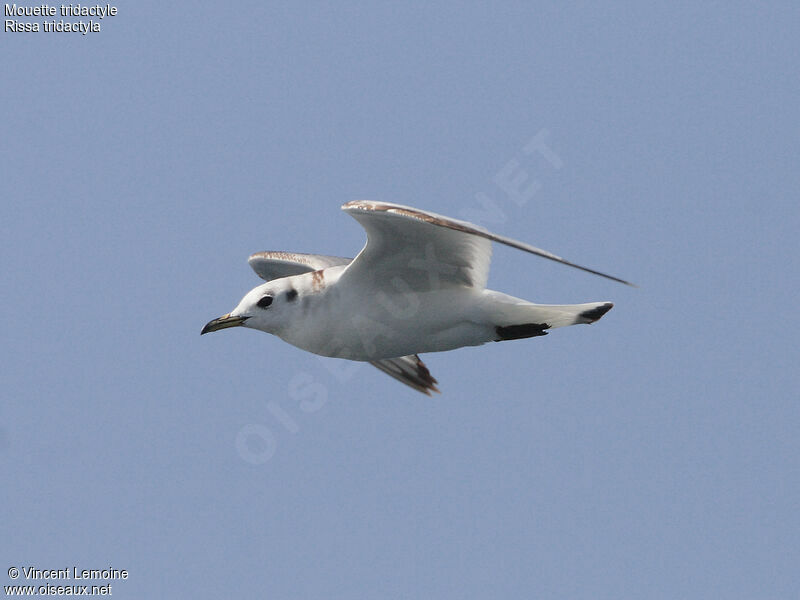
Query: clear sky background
{"points": [[652, 455]]}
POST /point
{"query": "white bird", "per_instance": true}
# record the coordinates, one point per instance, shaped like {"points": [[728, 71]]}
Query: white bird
{"points": [[418, 285]]}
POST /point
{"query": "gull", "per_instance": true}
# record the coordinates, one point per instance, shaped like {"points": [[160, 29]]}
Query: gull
{"points": [[418, 285]]}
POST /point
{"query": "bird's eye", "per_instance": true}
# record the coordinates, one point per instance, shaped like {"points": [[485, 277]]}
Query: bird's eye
{"points": [[264, 302]]}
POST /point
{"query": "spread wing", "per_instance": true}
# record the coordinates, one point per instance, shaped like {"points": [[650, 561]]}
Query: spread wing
{"points": [[411, 371], [274, 265], [418, 249], [422, 248]]}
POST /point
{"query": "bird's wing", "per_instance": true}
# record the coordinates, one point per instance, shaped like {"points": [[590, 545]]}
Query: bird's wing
{"points": [[274, 265], [411, 371], [416, 250], [421, 248]]}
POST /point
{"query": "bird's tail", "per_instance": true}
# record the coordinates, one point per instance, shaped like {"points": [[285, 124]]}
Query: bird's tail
{"points": [[515, 319]]}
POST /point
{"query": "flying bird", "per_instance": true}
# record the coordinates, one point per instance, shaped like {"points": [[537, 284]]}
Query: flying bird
{"points": [[418, 285]]}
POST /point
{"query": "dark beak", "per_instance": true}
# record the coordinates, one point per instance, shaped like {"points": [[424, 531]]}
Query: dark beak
{"points": [[223, 322]]}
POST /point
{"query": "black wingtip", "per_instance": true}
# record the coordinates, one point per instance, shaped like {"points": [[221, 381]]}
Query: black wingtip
{"points": [[409, 370], [427, 380]]}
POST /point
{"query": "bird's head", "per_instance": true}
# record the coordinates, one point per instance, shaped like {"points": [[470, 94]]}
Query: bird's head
{"points": [[265, 307]]}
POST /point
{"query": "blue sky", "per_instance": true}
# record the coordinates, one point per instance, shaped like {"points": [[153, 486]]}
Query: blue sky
{"points": [[652, 455]]}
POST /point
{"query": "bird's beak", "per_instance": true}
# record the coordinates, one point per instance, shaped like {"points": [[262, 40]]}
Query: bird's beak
{"points": [[223, 322]]}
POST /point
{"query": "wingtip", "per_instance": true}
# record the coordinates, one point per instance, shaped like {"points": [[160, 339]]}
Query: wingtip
{"points": [[428, 380], [607, 276], [411, 371]]}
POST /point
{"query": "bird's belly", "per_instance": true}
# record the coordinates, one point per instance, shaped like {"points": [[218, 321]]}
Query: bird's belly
{"points": [[375, 330]]}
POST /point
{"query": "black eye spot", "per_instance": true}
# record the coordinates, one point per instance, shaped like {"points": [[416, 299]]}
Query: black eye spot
{"points": [[264, 302], [291, 294]]}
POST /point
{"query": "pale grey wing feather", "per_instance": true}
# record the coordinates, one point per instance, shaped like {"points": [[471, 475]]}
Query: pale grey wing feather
{"points": [[409, 370], [274, 265], [405, 251], [362, 210]]}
